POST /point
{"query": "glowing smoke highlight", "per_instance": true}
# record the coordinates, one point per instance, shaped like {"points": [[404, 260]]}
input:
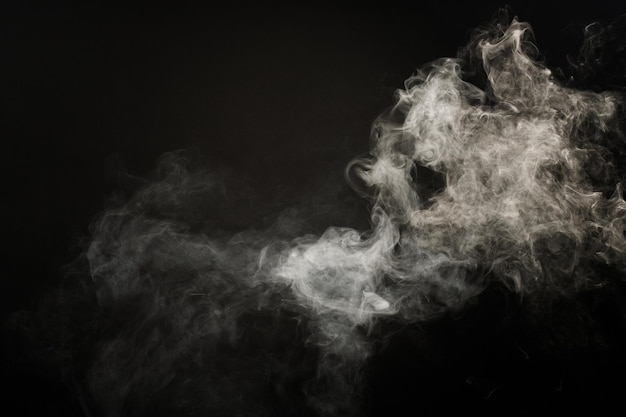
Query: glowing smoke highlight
{"points": [[524, 204]]}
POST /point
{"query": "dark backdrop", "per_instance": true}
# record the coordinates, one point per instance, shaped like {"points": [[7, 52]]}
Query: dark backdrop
{"points": [[282, 93]]}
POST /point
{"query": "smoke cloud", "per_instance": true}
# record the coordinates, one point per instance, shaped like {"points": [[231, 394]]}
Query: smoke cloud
{"points": [[488, 171]]}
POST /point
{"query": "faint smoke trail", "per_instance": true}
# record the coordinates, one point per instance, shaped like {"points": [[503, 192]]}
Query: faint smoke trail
{"points": [[530, 200]]}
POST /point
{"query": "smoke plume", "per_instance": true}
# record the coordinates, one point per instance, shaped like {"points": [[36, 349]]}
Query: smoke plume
{"points": [[488, 170]]}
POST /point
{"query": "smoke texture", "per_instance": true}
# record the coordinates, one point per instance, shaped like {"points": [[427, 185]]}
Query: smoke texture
{"points": [[491, 173]]}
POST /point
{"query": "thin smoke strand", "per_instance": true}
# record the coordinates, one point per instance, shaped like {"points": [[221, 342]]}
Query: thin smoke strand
{"points": [[195, 316]]}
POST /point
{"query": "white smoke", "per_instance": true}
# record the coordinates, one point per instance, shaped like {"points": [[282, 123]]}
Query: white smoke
{"points": [[180, 309]]}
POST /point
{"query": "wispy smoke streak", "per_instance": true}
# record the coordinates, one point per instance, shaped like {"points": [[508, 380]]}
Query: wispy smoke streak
{"points": [[529, 200]]}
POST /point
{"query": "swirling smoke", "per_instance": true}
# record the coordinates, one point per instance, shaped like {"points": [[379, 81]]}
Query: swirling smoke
{"points": [[522, 191]]}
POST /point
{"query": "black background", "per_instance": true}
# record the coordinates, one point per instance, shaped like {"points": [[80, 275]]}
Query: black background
{"points": [[282, 93]]}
